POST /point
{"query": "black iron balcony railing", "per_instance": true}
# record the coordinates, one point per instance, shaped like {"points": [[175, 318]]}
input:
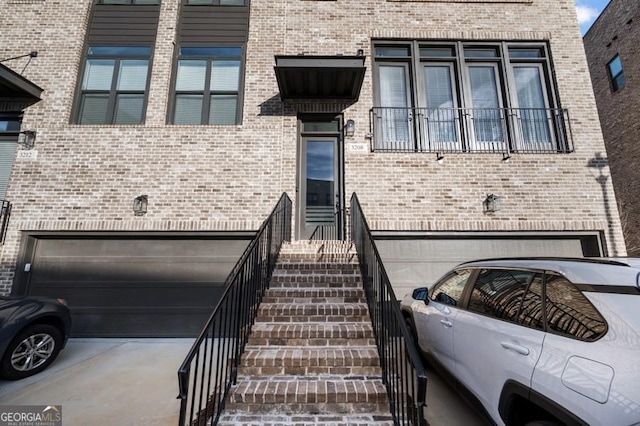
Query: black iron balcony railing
{"points": [[472, 130], [402, 369], [210, 368], [5, 214], [334, 230]]}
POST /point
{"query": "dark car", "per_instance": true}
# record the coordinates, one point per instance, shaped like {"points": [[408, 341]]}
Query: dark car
{"points": [[33, 330]]}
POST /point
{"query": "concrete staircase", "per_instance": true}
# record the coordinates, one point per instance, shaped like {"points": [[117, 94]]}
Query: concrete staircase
{"points": [[311, 357]]}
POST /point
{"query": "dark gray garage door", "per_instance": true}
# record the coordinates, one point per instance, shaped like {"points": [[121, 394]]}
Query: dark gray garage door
{"points": [[133, 286]]}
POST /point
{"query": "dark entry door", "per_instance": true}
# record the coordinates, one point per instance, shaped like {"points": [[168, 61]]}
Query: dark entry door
{"points": [[319, 187]]}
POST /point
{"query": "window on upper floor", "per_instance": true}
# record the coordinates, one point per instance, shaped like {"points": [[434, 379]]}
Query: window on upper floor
{"points": [[616, 74], [128, 1], [114, 85], [466, 97], [207, 85], [218, 2]]}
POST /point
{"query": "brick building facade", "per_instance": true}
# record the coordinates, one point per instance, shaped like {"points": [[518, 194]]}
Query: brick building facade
{"points": [[613, 41], [498, 61]]}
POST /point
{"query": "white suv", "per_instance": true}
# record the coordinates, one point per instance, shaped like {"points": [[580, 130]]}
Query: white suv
{"points": [[537, 341]]}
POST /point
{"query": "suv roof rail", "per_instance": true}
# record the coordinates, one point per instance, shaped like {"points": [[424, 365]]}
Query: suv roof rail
{"points": [[600, 260]]}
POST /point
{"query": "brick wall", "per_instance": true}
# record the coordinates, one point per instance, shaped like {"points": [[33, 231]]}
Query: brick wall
{"points": [[617, 31], [229, 177]]}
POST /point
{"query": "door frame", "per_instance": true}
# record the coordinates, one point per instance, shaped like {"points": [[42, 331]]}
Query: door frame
{"points": [[303, 135]]}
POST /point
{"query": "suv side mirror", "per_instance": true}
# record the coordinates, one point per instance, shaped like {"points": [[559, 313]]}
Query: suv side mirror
{"points": [[421, 293]]}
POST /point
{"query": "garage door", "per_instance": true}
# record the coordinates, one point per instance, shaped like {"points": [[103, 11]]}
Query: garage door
{"points": [[415, 262], [133, 286]]}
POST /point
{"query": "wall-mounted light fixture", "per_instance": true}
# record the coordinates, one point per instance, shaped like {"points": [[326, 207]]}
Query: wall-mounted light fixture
{"points": [[350, 128], [27, 139], [491, 204], [140, 205], [439, 158], [506, 157]]}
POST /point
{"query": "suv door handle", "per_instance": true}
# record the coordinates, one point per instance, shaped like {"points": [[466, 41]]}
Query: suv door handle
{"points": [[516, 348], [446, 323]]}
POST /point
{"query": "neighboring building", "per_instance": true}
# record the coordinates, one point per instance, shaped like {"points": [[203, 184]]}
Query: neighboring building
{"points": [[213, 108], [612, 47]]}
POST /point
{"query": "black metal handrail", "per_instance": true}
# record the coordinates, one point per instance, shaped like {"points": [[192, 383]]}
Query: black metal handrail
{"points": [[472, 130], [5, 214], [402, 369], [210, 368]]}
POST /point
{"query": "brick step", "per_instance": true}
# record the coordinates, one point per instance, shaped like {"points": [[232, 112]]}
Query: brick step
{"points": [[315, 280], [306, 419], [293, 394], [310, 334], [314, 295], [291, 267], [310, 312], [313, 361]]}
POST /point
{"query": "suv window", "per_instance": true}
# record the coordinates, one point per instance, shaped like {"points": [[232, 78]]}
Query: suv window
{"points": [[449, 289], [499, 292], [570, 312]]}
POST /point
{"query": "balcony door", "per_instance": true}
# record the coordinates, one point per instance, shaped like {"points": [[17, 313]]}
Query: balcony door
{"points": [[486, 116]]}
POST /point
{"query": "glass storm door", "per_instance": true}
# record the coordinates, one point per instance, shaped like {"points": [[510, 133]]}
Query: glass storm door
{"points": [[319, 188]]}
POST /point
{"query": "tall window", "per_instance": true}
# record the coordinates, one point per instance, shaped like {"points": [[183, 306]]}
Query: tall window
{"points": [[616, 73], [128, 1], [114, 85], [218, 2], [464, 96], [207, 85]]}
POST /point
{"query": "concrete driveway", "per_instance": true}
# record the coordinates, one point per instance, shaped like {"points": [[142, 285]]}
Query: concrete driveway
{"points": [[106, 382]]}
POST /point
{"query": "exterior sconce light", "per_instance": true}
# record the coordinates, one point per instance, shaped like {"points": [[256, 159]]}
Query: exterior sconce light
{"points": [[350, 128], [491, 204], [140, 205], [27, 139], [439, 158], [505, 157]]}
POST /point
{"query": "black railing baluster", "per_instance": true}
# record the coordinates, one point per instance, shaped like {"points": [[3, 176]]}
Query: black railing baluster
{"points": [[402, 369], [229, 325], [471, 130]]}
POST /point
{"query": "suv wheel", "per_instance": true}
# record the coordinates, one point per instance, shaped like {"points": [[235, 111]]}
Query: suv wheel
{"points": [[31, 351]]}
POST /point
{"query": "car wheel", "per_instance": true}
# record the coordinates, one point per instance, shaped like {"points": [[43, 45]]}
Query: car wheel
{"points": [[31, 351]]}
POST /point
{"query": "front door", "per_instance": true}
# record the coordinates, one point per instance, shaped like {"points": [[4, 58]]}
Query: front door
{"points": [[319, 188]]}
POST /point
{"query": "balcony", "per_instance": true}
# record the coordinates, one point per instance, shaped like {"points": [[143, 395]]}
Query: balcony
{"points": [[471, 130]]}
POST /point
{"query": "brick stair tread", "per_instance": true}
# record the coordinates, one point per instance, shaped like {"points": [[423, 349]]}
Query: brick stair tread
{"points": [[314, 295], [312, 330], [303, 390], [306, 419], [310, 356]]}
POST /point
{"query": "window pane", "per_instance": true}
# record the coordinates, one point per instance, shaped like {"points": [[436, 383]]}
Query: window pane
{"points": [[133, 75], [191, 75], [223, 109], [393, 93], [531, 309], [480, 53], [526, 53], [449, 290], [188, 109], [389, 51], [98, 74], [200, 1], [615, 66], [147, 1], [120, 50], [93, 109], [225, 76], [570, 312], [211, 51], [129, 109], [440, 113], [485, 100], [533, 115], [499, 293], [437, 52], [232, 2]]}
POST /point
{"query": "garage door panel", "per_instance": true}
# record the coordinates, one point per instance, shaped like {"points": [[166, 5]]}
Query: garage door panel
{"points": [[135, 287], [412, 263]]}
